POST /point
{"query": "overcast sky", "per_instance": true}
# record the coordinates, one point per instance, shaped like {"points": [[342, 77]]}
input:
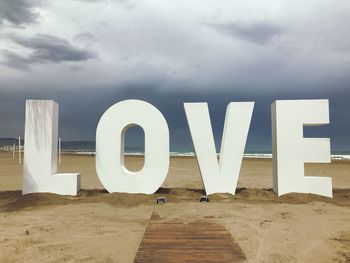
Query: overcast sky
{"points": [[88, 55]]}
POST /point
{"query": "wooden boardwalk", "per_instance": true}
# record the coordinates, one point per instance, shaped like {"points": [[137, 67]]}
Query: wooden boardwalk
{"points": [[168, 241]]}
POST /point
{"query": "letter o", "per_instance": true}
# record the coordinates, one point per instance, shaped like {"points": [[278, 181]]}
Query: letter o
{"points": [[110, 132]]}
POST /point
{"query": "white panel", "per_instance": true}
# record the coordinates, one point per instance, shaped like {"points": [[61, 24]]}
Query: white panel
{"points": [[40, 152], [222, 176], [110, 145], [291, 150]]}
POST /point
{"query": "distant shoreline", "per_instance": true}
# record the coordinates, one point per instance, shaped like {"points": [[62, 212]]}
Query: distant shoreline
{"points": [[192, 154]]}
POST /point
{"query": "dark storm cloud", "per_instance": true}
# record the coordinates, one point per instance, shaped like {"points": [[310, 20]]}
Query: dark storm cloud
{"points": [[79, 114], [18, 12], [45, 49], [259, 33]]}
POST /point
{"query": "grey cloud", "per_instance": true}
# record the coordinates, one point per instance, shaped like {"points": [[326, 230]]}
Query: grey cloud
{"points": [[84, 37], [45, 49], [259, 33], [176, 60], [18, 12], [91, 1], [117, 1], [14, 60], [125, 4]]}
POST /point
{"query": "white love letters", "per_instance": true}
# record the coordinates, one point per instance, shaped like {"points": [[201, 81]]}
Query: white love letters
{"points": [[40, 154], [290, 149], [219, 177], [110, 134]]}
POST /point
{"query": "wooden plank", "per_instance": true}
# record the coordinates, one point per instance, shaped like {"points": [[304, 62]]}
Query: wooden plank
{"points": [[168, 241]]}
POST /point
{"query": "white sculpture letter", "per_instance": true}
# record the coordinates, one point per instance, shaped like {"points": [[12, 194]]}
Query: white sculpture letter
{"points": [[291, 150], [110, 146], [219, 177], [40, 152]]}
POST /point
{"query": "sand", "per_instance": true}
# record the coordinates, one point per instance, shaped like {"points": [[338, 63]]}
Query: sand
{"points": [[97, 226]]}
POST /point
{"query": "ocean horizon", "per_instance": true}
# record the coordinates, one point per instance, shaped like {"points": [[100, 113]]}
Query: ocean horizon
{"points": [[89, 148]]}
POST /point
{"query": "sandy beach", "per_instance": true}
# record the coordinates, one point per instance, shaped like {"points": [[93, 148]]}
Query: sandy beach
{"points": [[97, 226]]}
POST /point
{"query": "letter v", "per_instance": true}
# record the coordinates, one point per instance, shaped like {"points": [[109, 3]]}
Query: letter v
{"points": [[222, 176]]}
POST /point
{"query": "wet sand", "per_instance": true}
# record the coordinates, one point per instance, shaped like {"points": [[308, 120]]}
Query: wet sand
{"points": [[97, 226]]}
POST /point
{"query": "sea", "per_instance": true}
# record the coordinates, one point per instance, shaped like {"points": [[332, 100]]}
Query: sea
{"points": [[88, 148]]}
